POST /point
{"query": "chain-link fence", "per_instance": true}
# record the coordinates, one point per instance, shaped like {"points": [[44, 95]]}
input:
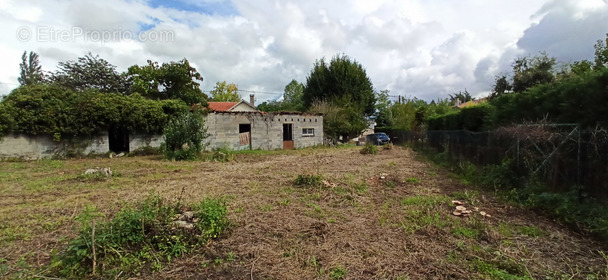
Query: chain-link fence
{"points": [[564, 156]]}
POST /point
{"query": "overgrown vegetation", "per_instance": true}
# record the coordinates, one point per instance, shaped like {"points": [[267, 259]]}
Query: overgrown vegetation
{"points": [[369, 149], [184, 136], [143, 236], [305, 180], [573, 207]]}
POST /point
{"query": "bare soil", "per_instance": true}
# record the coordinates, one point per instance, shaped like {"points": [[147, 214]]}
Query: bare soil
{"points": [[384, 216]]}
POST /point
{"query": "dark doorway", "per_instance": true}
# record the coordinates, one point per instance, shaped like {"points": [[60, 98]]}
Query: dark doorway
{"points": [[244, 127], [245, 134], [118, 139], [288, 136]]}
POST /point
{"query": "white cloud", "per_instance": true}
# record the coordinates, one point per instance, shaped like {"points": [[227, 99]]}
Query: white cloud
{"points": [[417, 48]]}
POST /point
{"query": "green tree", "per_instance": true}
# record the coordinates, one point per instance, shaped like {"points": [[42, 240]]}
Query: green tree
{"points": [[173, 80], [342, 83], [31, 71], [338, 122], [384, 114], [529, 72], [601, 54], [501, 86], [223, 92], [292, 96], [91, 72], [184, 136]]}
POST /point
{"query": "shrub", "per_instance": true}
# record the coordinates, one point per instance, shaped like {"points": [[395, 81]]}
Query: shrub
{"points": [[184, 136], [308, 180], [143, 235], [223, 154], [369, 148]]}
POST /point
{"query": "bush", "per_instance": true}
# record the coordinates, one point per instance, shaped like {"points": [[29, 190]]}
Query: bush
{"points": [[184, 136], [137, 237], [223, 154], [369, 148], [308, 180]]}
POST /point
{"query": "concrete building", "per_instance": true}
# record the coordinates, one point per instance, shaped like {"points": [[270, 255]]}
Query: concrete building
{"points": [[239, 125]]}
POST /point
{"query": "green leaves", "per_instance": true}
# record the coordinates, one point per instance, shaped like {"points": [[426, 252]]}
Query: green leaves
{"points": [[64, 113], [184, 136], [223, 92]]}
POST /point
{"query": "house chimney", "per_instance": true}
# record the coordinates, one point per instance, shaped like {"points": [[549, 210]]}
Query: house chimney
{"points": [[252, 100]]}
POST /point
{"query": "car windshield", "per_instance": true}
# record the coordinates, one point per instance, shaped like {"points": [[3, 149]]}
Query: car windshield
{"points": [[381, 135]]}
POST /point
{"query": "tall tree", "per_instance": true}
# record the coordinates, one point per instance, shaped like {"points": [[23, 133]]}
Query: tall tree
{"points": [[31, 71], [292, 96], [601, 54], [173, 80], [91, 72], [529, 72], [223, 92], [345, 84], [501, 86], [384, 114]]}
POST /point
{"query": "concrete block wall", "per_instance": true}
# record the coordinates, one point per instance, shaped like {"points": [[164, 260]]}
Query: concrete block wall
{"points": [[137, 141], [266, 129], [42, 146]]}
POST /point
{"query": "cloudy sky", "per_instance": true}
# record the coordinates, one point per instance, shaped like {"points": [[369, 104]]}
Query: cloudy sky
{"points": [[417, 48]]}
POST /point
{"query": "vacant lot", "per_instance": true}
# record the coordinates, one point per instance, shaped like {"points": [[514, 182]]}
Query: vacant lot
{"points": [[384, 216]]}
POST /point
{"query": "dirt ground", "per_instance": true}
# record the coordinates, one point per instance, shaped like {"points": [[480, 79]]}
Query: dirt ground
{"points": [[384, 216]]}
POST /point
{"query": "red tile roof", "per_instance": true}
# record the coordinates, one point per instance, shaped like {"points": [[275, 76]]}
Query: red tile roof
{"points": [[221, 106]]}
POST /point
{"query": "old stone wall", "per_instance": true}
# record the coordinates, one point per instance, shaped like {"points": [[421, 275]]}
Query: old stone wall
{"points": [[138, 141], [43, 146]]}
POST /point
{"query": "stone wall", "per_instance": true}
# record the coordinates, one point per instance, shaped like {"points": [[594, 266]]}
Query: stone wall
{"points": [[43, 146], [266, 129]]}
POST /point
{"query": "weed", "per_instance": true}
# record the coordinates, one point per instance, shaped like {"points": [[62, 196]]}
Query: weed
{"points": [[308, 180], [460, 231], [392, 163], [412, 180], [137, 235], [337, 273], [230, 257], [531, 231], [265, 207], [369, 149], [390, 184], [388, 146], [223, 154], [467, 195]]}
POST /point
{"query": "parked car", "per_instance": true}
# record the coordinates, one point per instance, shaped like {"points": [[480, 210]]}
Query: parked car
{"points": [[379, 138]]}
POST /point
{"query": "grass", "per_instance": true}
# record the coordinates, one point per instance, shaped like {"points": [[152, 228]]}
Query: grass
{"points": [[313, 232]]}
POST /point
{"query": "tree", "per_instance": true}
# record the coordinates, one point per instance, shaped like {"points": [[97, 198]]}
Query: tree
{"points": [[529, 72], [462, 96], [292, 96], [184, 135], [501, 86], [601, 54], [384, 115], [173, 80], [223, 92], [343, 84], [338, 122], [31, 71], [91, 72]]}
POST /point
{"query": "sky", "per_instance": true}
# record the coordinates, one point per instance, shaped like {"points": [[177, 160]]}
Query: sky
{"points": [[426, 49]]}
